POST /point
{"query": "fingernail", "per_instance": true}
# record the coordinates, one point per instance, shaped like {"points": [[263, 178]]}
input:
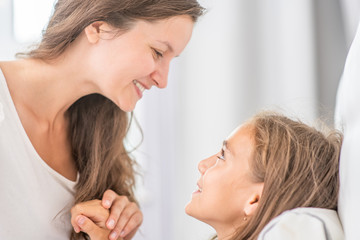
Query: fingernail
{"points": [[107, 203], [111, 223], [122, 234], [81, 220], [113, 235]]}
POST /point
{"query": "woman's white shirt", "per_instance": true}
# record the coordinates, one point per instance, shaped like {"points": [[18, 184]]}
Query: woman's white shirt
{"points": [[304, 223], [35, 199]]}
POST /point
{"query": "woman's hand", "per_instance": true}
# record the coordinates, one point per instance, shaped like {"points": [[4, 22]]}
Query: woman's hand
{"points": [[125, 216], [90, 217], [114, 213]]}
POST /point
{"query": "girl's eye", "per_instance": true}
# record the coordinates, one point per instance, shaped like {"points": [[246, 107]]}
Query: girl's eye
{"points": [[222, 156]]}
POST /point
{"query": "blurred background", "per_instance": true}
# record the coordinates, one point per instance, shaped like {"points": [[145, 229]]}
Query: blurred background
{"points": [[244, 56]]}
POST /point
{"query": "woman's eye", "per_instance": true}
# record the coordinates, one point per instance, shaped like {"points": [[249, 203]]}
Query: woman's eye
{"points": [[157, 53]]}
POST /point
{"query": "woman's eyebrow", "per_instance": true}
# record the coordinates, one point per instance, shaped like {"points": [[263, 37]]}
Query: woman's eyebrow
{"points": [[167, 45]]}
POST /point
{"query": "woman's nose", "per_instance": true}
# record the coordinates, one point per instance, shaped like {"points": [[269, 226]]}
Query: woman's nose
{"points": [[160, 75]]}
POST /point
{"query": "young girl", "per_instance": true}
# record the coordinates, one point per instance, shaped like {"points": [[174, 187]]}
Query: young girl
{"points": [[274, 178], [63, 112]]}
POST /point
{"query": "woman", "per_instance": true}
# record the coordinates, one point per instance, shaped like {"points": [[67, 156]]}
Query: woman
{"points": [[63, 112], [274, 178]]}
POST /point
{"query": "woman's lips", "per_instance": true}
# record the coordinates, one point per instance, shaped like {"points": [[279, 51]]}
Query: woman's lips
{"points": [[139, 87]]}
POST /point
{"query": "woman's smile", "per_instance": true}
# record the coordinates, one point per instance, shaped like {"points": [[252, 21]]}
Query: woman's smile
{"points": [[139, 88]]}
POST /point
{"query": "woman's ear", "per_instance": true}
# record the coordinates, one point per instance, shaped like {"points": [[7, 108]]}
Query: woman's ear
{"points": [[253, 202], [94, 30]]}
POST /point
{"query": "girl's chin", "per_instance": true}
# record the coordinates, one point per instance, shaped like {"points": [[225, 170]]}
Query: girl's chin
{"points": [[188, 209]]}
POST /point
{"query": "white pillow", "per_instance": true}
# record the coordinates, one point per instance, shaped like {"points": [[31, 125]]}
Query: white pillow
{"points": [[304, 223], [347, 118]]}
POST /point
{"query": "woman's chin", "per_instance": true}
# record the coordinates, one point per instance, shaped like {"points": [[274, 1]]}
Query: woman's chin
{"points": [[127, 107]]}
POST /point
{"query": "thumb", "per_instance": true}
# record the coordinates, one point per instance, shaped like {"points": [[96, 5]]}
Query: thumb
{"points": [[89, 227]]}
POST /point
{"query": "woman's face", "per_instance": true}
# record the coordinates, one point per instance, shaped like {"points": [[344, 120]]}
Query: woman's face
{"points": [[225, 184], [122, 67]]}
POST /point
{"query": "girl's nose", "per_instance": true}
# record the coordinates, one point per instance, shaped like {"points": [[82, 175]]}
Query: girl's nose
{"points": [[205, 164]]}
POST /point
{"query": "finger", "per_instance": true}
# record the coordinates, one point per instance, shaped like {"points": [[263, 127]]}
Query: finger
{"points": [[74, 223], [89, 227], [130, 210], [109, 197], [130, 235], [92, 209], [116, 210], [132, 225]]}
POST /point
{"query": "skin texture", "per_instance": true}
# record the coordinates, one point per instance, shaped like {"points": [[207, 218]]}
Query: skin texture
{"points": [[101, 60], [98, 61], [150, 45], [228, 194], [153, 45], [94, 217]]}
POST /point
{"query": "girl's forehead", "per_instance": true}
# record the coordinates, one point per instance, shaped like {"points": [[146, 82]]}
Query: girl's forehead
{"points": [[240, 139], [241, 130]]}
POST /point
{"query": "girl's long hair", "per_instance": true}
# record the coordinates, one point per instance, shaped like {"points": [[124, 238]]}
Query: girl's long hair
{"points": [[298, 165]]}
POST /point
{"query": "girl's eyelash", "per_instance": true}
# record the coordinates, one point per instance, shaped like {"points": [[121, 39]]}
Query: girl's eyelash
{"points": [[222, 156]]}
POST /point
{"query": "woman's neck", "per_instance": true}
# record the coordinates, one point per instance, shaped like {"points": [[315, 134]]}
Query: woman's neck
{"points": [[46, 90]]}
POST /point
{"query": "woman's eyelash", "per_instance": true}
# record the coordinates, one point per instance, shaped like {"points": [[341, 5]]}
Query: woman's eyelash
{"points": [[157, 53]]}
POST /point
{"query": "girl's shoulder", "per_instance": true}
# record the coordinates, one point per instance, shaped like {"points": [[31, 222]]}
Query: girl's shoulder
{"points": [[304, 223]]}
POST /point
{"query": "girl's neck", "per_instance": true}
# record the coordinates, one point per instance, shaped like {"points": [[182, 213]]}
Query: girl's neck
{"points": [[225, 232]]}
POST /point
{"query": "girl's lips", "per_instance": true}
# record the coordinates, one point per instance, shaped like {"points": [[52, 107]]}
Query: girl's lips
{"points": [[198, 190]]}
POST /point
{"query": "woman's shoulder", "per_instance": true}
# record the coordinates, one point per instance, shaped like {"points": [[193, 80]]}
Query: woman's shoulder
{"points": [[304, 223]]}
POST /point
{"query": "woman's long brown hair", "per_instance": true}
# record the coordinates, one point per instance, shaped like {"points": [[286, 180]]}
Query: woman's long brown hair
{"points": [[298, 165], [97, 127]]}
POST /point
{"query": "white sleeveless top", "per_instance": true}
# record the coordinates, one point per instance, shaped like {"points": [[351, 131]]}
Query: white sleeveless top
{"points": [[34, 199]]}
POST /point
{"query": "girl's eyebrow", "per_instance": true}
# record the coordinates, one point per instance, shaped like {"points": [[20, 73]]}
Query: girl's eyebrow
{"points": [[225, 146]]}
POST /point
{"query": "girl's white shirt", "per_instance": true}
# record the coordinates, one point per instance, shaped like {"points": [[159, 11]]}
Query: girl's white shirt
{"points": [[304, 223], [35, 199]]}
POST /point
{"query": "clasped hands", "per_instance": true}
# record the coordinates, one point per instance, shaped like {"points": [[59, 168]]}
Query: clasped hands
{"points": [[113, 217]]}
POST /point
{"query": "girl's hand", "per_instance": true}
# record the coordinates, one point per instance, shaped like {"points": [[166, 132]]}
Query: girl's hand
{"points": [[125, 216]]}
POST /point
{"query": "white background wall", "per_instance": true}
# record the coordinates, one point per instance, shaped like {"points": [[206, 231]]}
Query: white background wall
{"points": [[244, 56]]}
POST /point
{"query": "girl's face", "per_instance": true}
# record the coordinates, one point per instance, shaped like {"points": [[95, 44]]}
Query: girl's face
{"points": [[123, 66], [226, 192]]}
